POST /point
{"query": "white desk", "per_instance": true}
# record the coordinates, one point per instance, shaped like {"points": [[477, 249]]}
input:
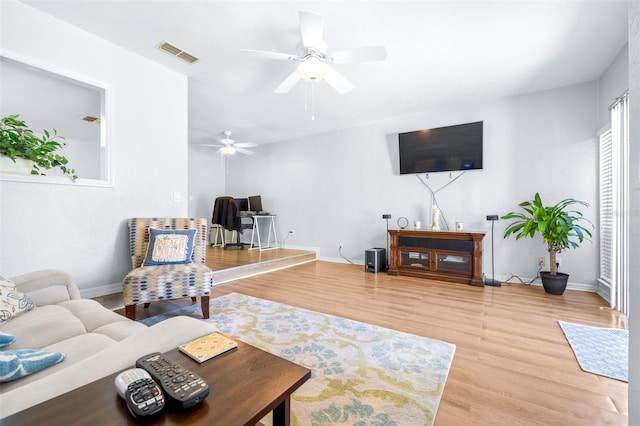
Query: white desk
{"points": [[270, 222]]}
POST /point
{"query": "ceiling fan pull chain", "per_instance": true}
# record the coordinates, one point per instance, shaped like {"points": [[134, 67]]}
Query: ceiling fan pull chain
{"points": [[306, 89], [313, 100]]}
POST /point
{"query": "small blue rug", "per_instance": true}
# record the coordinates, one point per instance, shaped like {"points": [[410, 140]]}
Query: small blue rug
{"points": [[602, 351]]}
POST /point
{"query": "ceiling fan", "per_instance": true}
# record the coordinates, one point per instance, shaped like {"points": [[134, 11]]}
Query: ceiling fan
{"points": [[229, 146], [313, 56]]}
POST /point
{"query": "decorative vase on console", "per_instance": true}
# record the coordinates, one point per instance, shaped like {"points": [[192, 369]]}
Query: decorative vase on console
{"points": [[435, 219]]}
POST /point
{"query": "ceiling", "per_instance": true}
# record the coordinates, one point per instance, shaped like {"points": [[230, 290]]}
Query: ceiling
{"points": [[438, 52]]}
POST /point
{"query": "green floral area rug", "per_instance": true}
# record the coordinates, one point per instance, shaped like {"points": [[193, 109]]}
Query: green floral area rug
{"points": [[361, 374]]}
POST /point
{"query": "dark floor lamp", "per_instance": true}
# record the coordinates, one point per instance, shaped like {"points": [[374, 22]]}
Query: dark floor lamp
{"points": [[492, 282], [386, 255]]}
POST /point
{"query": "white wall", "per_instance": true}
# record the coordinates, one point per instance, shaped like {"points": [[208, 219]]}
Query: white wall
{"points": [[82, 229], [206, 180], [634, 213], [83, 156], [611, 84], [336, 186]]}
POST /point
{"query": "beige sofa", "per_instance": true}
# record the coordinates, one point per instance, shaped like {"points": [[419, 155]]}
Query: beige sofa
{"points": [[96, 341]]}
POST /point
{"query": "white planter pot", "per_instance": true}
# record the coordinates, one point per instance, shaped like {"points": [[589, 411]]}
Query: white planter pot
{"points": [[21, 166]]}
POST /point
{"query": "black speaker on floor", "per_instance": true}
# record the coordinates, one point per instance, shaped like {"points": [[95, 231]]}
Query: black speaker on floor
{"points": [[375, 259]]}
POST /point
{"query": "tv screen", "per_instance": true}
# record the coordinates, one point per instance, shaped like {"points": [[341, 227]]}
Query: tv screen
{"points": [[441, 149], [242, 204], [255, 203]]}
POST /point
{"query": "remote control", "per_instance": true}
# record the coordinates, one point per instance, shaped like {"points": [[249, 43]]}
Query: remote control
{"points": [[180, 385], [141, 393]]}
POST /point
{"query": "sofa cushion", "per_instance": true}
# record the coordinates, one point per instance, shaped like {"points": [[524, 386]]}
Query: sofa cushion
{"points": [[43, 326], [97, 319], [44, 296], [121, 329], [18, 363], [169, 246], [12, 302]]}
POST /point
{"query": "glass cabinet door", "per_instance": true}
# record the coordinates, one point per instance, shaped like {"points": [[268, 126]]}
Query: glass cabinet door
{"points": [[453, 263], [415, 259]]}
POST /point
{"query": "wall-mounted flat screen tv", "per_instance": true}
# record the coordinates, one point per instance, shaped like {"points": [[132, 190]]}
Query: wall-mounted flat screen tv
{"points": [[441, 149]]}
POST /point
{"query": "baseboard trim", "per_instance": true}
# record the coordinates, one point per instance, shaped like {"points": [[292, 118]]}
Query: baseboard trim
{"points": [[604, 290], [102, 290], [341, 260], [305, 248], [117, 287], [593, 288]]}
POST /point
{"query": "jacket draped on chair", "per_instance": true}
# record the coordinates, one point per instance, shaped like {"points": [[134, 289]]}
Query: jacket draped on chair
{"points": [[226, 214]]}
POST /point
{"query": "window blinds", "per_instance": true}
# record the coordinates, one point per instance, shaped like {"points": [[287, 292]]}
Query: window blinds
{"points": [[606, 219], [613, 211]]}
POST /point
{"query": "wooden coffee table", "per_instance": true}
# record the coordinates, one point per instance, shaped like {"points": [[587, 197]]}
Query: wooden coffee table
{"points": [[246, 384]]}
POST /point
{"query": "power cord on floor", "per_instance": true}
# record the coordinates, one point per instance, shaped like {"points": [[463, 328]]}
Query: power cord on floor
{"points": [[342, 256], [285, 239], [524, 282]]}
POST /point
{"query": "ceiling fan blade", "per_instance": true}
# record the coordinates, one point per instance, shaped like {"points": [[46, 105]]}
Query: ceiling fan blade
{"points": [[207, 144], [337, 81], [272, 55], [359, 54], [311, 29], [244, 151], [224, 141], [288, 83], [245, 145]]}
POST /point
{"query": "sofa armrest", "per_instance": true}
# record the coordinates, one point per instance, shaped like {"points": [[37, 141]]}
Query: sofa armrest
{"points": [[160, 337], [48, 286]]}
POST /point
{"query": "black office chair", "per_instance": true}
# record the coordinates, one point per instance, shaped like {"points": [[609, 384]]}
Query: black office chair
{"points": [[227, 215]]}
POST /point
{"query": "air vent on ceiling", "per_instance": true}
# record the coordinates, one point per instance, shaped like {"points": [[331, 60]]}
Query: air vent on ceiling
{"points": [[169, 48], [91, 119]]}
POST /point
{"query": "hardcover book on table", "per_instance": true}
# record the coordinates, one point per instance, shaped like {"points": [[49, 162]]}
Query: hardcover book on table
{"points": [[207, 347]]}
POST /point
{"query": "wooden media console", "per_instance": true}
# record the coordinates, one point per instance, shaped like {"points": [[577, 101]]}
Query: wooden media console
{"points": [[440, 255]]}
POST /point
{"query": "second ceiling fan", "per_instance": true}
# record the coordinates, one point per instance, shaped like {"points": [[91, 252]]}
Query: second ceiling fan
{"points": [[228, 146], [313, 56]]}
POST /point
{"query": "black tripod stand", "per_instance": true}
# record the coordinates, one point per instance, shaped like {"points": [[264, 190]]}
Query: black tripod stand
{"points": [[492, 282]]}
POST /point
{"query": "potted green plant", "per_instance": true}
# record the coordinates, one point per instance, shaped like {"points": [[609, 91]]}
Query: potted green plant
{"points": [[17, 141], [560, 228]]}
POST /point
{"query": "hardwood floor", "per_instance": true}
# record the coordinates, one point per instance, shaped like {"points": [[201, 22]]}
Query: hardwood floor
{"points": [[512, 366], [219, 259]]}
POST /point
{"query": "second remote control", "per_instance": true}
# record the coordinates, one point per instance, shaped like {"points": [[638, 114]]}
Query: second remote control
{"points": [[180, 385]]}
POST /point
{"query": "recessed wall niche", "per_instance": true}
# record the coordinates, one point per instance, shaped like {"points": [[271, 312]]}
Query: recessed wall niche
{"points": [[48, 97]]}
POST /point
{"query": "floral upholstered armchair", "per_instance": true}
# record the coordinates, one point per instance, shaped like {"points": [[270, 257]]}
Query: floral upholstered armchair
{"points": [[168, 257]]}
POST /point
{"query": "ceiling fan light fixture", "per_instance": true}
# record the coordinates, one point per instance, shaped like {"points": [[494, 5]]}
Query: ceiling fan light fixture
{"points": [[312, 69], [228, 150]]}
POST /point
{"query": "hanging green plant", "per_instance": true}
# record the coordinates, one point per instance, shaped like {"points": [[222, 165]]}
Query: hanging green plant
{"points": [[18, 141]]}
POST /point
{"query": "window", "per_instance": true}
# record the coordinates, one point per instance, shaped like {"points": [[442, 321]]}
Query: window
{"points": [[614, 206], [606, 220]]}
